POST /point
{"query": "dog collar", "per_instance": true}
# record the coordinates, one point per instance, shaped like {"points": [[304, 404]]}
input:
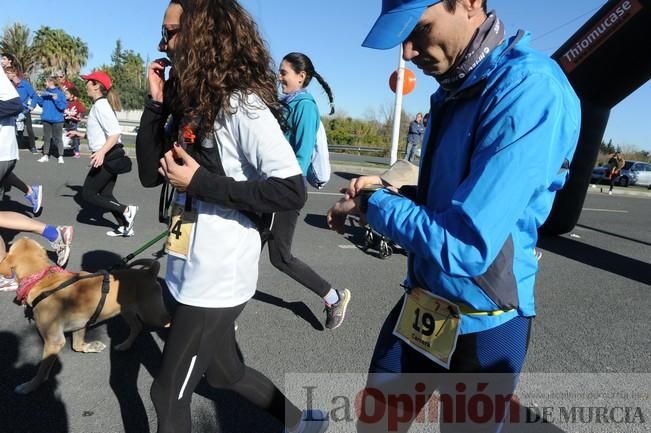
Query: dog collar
{"points": [[26, 284]]}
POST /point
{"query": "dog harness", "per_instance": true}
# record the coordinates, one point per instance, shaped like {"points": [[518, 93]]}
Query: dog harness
{"points": [[28, 283]]}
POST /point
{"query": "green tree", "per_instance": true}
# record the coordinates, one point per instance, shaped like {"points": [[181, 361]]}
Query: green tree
{"points": [[128, 74], [16, 40], [57, 50]]}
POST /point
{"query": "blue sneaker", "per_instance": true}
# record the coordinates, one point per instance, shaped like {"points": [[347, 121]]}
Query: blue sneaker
{"points": [[35, 198]]}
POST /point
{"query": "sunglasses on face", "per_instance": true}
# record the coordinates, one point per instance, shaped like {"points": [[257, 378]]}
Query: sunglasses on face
{"points": [[168, 33]]}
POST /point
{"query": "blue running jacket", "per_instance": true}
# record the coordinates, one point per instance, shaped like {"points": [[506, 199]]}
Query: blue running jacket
{"points": [[500, 148]]}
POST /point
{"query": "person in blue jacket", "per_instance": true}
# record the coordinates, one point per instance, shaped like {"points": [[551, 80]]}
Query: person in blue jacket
{"points": [[414, 136], [504, 125], [28, 99], [54, 103], [295, 74]]}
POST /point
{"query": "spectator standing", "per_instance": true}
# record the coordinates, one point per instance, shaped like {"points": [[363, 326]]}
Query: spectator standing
{"points": [[72, 116], [414, 136], [53, 102]]}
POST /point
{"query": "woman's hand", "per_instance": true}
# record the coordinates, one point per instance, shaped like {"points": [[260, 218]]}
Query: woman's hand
{"points": [[156, 78], [178, 167], [72, 134], [97, 159]]}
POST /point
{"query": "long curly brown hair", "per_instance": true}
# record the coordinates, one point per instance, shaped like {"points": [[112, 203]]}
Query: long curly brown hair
{"points": [[220, 53]]}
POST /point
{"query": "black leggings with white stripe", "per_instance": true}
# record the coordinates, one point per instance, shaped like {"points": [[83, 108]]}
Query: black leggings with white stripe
{"points": [[202, 340]]}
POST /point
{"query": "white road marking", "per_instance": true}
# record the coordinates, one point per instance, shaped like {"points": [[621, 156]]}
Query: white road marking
{"points": [[605, 210], [348, 247]]}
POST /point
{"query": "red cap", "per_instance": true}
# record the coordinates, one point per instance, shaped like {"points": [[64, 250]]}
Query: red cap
{"points": [[67, 84], [101, 77]]}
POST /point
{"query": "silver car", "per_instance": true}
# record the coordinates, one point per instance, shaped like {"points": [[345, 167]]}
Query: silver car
{"points": [[633, 173]]}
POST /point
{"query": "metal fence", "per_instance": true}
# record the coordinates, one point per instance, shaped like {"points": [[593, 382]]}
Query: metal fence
{"points": [[130, 130]]}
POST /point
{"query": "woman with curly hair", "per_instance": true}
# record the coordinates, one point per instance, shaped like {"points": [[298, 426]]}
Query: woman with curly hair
{"points": [[229, 162]]}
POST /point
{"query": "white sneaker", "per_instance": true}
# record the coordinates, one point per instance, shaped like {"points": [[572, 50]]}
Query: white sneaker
{"points": [[44, 158], [7, 284], [610, 193], [62, 244], [60, 160], [120, 232], [312, 421], [130, 216]]}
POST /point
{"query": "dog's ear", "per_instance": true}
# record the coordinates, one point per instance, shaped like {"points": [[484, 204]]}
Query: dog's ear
{"points": [[6, 265]]}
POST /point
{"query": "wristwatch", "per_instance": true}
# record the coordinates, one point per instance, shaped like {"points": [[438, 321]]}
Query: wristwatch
{"points": [[365, 194]]}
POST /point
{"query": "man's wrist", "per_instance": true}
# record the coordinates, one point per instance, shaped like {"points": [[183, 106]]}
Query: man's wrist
{"points": [[365, 195]]}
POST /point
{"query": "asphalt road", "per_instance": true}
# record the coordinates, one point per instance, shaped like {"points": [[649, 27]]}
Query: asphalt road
{"points": [[592, 301]]}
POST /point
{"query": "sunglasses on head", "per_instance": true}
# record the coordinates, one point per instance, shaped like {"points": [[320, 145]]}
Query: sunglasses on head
{"points": [[168, 33]]}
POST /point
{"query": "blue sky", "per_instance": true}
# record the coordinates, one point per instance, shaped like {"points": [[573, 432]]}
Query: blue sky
{"points": [[330, 32]]}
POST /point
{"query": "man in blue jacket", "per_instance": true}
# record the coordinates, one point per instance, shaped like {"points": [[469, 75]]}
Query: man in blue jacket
{"points": [[54, 104], [503, 128], [414, 136]]}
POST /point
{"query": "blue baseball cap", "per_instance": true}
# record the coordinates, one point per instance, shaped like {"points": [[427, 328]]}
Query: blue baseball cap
{"points": [[396, 21]]}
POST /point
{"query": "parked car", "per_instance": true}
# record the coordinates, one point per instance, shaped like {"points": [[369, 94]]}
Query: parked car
{"points": [[633, 173]]}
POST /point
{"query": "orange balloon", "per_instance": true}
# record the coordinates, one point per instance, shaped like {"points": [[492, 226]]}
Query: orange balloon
{"points": [[407, 86]]}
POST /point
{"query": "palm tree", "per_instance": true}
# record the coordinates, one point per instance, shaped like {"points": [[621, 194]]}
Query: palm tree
{"points": [[16, 40], [57, 50]]}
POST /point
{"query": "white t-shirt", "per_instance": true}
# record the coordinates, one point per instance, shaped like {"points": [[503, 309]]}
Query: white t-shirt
{"points": [[102, 123], [8, 143], [222, 265]]}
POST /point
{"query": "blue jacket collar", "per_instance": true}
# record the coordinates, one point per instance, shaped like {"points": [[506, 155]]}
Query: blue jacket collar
{"points": [[486, 67]]}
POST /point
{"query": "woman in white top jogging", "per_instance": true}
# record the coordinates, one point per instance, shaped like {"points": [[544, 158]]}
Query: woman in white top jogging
{"points": [[107, 158], [230, 161]]}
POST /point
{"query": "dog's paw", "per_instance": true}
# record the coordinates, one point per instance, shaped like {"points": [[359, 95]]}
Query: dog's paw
{"points": [[94, 347], [25, 388]]}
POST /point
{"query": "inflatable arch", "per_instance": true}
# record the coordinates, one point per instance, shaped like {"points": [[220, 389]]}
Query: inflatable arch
{"points": [[606, 60]]}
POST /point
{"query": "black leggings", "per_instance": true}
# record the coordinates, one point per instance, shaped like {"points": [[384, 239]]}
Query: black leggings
{"points": [[98, 191], [202, 340], [280, 254], [12, 180]]}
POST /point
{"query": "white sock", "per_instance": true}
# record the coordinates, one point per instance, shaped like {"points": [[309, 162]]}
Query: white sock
{"points": [[332, 297]]}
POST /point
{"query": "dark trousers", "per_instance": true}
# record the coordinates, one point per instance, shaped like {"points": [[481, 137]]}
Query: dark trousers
{"points": [[280, 254], [494, 356], [613, 177], [98, 191], [52, 131], [12, 180], [74, 141], [30, 133], [202, 340]]}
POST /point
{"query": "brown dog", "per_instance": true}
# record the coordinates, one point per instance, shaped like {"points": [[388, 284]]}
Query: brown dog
{"points": [[135, 293]]}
